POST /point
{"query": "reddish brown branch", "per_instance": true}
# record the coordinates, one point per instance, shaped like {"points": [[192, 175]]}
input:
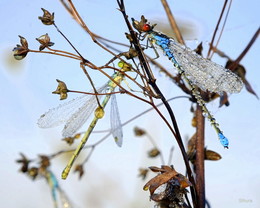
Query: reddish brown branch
{"points": [[199, 162]]}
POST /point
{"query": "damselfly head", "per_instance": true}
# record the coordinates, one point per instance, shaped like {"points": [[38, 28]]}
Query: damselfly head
{"points": [[142, 26]]}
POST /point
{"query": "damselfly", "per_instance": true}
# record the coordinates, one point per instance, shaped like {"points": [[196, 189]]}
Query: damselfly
{"points": [[195, 70], [201, 72], [55, 188], [75, 113]]}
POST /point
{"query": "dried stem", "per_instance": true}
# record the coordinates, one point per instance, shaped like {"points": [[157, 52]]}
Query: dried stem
{"points": [[216, 28], [222, 29], [172, 21], [199, 162]]}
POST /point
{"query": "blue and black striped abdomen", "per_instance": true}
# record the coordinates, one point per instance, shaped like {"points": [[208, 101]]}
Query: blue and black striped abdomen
{"points": [[164, 42]]}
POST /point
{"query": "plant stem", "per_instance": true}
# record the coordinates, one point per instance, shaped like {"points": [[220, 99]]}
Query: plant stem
{"points": [[199, 162]]}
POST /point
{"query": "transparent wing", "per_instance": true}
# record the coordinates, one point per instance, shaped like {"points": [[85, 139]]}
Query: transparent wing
{"points": [[60, 114], [76, 120], [74, 113], [115, 122], [81, 115], [204, 73]]}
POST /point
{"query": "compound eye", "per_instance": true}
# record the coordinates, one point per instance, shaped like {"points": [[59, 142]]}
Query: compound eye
{"points": [[146, 27]]}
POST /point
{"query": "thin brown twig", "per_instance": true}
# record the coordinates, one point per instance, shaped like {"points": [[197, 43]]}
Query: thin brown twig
{"points": [[176, 79], [73, 11], [216, 28], [91, 82], [150, 138], [121, 87], [172, 22], [55, 53], [222, 29], [65, 52], [83, 59], [101, 69], [94, 34], [82, 23]]}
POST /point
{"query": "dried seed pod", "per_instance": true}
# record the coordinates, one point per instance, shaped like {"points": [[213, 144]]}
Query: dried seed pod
{"points": [[47, 18]]}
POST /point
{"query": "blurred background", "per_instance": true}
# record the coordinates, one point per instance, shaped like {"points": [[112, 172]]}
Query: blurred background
{"points": [[111, 175]]}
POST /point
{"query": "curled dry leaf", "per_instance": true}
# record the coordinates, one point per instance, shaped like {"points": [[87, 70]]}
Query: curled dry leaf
{"points": [[167, 173], [168, 188]]}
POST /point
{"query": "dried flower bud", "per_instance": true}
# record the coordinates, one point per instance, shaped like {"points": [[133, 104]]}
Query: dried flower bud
{"points": [[25, 163], [130, 54], [211, 155], [154, 152], [47, 18], [33, 172], [20, 51], [70, 140], [61, 90], [45, 161], [143, 172], [77, 136], [139, 132], [44, 40], [80, 170]]}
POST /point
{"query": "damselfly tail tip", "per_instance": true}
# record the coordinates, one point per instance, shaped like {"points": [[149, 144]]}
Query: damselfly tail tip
{"points": [[223, 140]]}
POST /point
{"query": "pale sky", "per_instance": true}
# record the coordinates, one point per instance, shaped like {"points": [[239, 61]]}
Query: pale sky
{"points": [[111, 174]]}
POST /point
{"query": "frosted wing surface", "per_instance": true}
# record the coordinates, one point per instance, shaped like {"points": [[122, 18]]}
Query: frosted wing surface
{"points": [[115, 122], [204, 73], [60, 114], [81, 115]]}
